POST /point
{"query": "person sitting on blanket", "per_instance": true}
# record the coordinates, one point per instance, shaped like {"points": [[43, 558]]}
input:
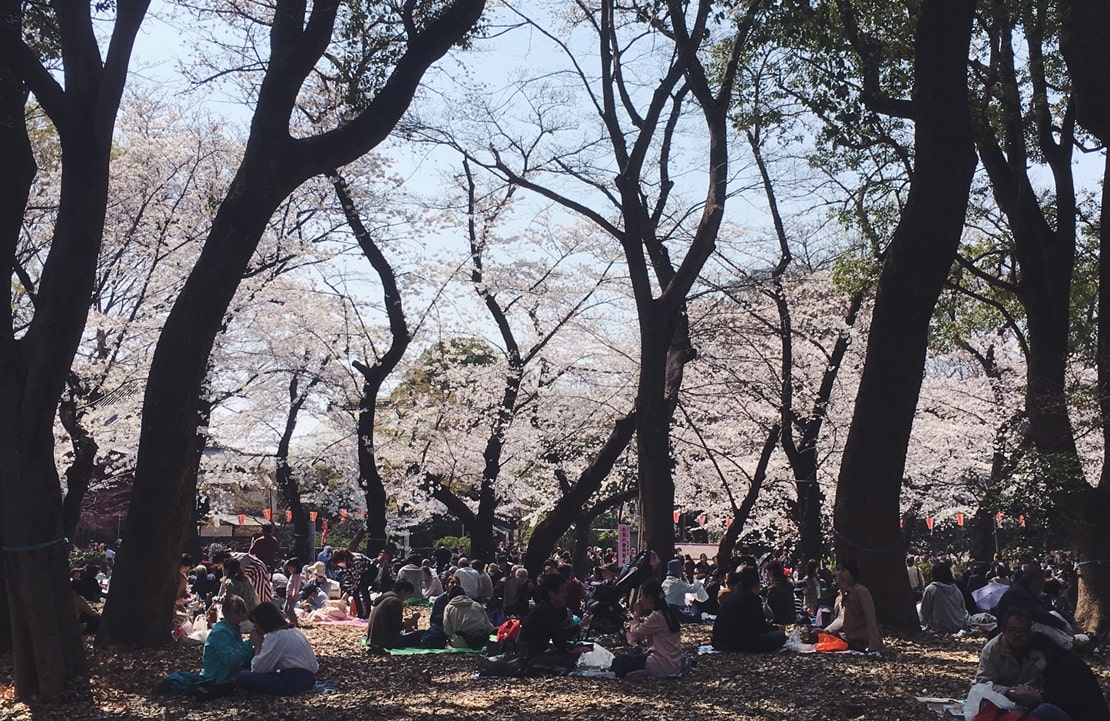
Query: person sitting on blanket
{"points": [[1027, 594], [548, 626], [675, 588], [942, 603], [465, 622], [430, 585], [236, 583], [389, 628], [435, 636], [284, 663], [656, 622], [741, 624], [855, 620], [225, 652], [1005, 663]]}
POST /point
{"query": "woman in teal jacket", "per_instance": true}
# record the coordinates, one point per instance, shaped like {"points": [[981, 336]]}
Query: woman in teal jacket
{"points": [[225, 653]]}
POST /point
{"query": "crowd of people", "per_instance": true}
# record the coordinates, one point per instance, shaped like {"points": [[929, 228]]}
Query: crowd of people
{"points": [[754, 606]]}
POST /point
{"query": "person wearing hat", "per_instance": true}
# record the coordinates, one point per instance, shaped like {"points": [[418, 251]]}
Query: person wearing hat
{"points": [[675, 588], [316, 592]]}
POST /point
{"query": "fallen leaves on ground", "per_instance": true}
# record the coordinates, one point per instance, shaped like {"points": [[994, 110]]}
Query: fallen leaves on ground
{"points": [[739, 687]]}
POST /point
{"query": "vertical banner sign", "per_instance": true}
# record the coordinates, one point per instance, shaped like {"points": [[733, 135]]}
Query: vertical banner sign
{"points": [[324, 533], [624, 543]]}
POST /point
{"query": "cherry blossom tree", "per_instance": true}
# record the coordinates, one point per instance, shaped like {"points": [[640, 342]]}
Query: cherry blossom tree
{"points": [[274, 164]]}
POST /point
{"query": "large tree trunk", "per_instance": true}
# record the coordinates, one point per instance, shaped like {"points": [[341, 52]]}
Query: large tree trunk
{"points": [[140, 608], [47, 649], [1085, 42], [917, 263]]}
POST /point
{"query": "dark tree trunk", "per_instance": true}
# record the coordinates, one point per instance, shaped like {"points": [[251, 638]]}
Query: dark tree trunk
{"points": [[15, 185], [918, 261], [569, 508], [1045, 246], [370, 479], [47, 649], [741, 513], [1085, 42], [274, 164]]}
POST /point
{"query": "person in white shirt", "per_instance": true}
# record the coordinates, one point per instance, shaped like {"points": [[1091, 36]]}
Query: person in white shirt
{"points": [[284, 663], [468, 579]]}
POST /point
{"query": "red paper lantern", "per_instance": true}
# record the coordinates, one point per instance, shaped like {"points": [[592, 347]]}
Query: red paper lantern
{"points": [[288, 516], [343, 514], [901, 522], [728, 523], [998, 515], [1021, 519], [312, 516], [701, 519], [267, 514], [242, 519], [960, 519], [676, 515], [929, 523]]}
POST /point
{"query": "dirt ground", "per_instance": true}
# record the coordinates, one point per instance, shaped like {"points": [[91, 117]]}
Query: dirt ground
{"points": [[739, 687]]}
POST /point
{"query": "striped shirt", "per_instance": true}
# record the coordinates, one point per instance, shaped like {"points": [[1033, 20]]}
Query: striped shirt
{"points": [[259, 575]]}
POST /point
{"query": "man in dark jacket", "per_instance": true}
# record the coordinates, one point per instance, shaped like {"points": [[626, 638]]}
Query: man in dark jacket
{"points": [[388, 626], [740, 624]]}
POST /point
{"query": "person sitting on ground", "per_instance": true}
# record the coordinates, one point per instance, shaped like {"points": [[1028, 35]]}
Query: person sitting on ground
{"points": [[87, 585], [468, 578], [1005, 663], [548, 627], [284, 663], [1026, 593], [225, 652], [1068, 682], [741, 624], [855, 620], [87, 617], [916, 578], [389, 627], [253, 568], [675, 588], [519, 590], [205, 584], [465, 623], [430, 585], [713, 585], [780, 595], [942, 604], [412, 573], [656, 623], [732, 582], [236, 583], [435, 636], [1057, 601]]}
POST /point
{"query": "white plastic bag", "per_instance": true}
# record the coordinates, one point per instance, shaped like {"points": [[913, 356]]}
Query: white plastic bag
{"points": [[981, 692], [599, 657]]}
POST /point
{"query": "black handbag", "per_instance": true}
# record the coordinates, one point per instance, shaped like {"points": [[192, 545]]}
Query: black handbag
{"points": [[503, 664]]}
